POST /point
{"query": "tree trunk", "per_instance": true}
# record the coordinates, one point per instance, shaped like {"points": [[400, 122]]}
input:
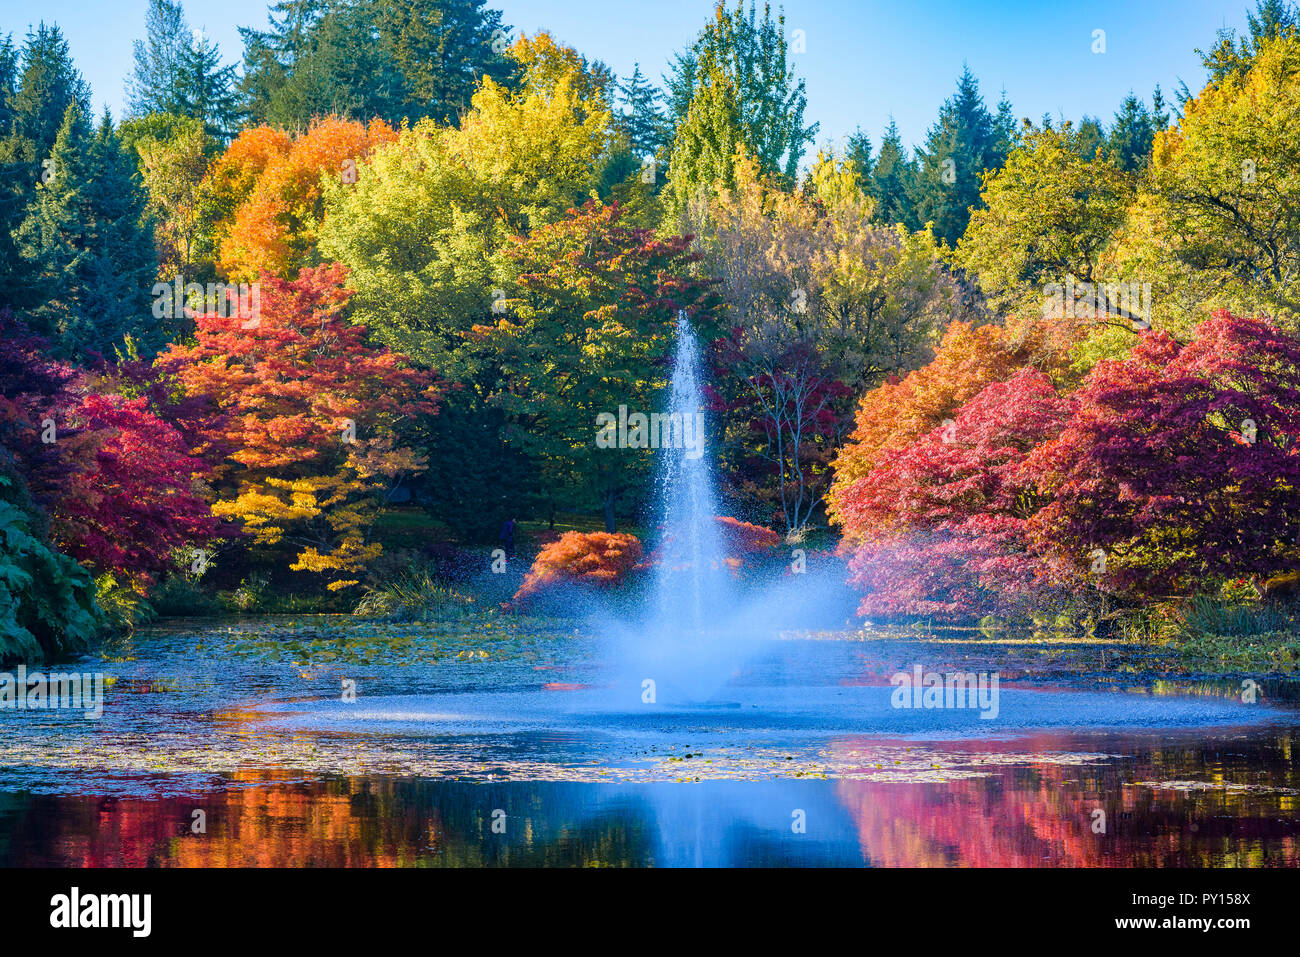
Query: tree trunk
{"points": [[610, 496]]}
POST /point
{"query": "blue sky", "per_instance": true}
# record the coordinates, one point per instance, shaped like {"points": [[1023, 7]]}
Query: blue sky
{"points": [[865, 60]]}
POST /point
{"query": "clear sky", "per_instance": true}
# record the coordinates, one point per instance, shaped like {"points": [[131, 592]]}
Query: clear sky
{"points": [[865, 60]]}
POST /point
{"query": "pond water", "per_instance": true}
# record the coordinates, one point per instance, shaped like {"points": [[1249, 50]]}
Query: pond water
{"points": [[495, 741]]}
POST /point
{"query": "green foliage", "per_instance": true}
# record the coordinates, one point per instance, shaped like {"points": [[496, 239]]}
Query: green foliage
{"points": [[121, 603], [37, 87], [491, 480], [89, 246], [415, 595], [641, 121], [1207, 615], [47, 601], [1048, 214], [358, 59], [893, 179], [965, 143], [1134, 130], [179, 71], [1223, 227], [1232, 56], [735, 87], [425, 228]]}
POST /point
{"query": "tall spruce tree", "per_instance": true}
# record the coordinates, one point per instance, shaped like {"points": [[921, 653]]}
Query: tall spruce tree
{"points": [[8, 84], [90, 248], [42, 84], [1134, 130], [641, 119], [47, 85], [395, 59], [154, 85], [179, 71], [442, 49], [892, 179], [858, 150], [318, 59], [966, 142]]}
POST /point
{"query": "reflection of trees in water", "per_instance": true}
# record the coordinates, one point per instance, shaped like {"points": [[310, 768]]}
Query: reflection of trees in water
{"points": [[1019, 815], [1042, 814], [352, 822]]}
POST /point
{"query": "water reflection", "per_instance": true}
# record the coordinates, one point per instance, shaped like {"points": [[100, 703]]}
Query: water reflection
{"points": [[1226, 800]]}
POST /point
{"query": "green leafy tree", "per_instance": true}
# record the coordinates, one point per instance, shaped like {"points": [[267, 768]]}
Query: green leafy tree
{"points": [[739, 68], [1045, 217], [174, 154], [589, 330], [1219, 224], [1232, 54], [425, 227], [704, 148]]}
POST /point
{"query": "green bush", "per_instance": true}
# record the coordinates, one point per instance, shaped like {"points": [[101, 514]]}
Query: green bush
{"points": [[1203, 615], [414, 596], [47, 601]]}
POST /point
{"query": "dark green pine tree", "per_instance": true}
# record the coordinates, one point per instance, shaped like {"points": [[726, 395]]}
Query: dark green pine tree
{"points": [[339, 69], [208, 89], [269, 55], [12, 172], [966, 142], [154, 85], [179, 71], [858, 151], [39, 86], [640, 118], [47, 86], [1090, 137], [442, 48], [1131, 135], [90, 248], [8, 84], [892, 179]]}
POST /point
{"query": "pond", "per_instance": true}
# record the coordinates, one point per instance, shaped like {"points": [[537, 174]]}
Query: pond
{"points": [[495, 740]]}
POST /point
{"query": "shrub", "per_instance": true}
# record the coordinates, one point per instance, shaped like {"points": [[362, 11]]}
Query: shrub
{"points": [[414, 596], [47, 601], [598, 559]]}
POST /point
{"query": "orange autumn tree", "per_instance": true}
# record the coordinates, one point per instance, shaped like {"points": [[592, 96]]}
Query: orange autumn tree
{"points": [[310, 412], [896, 414], [271, 189], [599, 559]]}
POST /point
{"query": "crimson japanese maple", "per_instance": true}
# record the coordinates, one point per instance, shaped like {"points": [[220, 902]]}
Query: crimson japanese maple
{"points": [[1181, 462]]}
